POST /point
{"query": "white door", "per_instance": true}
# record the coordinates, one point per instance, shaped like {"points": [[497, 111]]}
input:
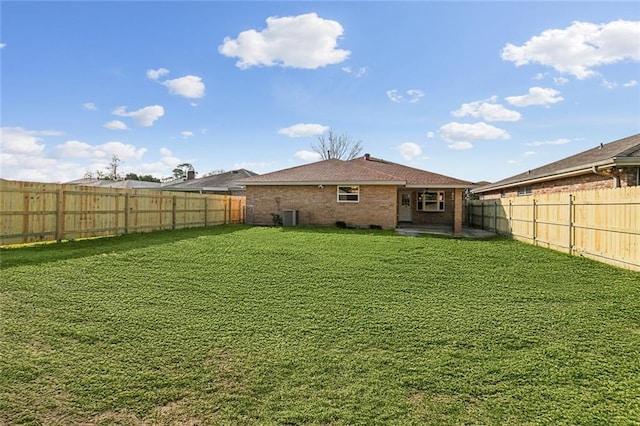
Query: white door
{"points": [[404, 206]]}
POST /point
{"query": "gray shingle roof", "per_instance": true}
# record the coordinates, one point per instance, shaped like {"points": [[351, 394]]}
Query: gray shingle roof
{"points": [[622, 151], [226, 180]]}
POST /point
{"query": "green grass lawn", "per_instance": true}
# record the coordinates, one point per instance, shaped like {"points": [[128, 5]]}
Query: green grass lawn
{"points": [[239, 325]]}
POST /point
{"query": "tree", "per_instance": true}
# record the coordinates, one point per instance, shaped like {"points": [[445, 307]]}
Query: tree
{"points": [[182, 170], [331, 145], [113, 168], [215, 172]]}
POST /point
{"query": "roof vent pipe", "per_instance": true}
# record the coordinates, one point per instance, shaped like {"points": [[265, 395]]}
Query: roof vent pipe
{"points": [[367, 156]]}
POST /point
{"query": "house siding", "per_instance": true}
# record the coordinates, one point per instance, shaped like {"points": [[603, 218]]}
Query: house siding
{"points": [[319, 206], [577, 183]]}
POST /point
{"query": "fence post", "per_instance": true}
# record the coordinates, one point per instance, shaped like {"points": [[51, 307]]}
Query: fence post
{"points": [[495, 216], [510, 216], [571, 230], [482, 214], [126, 213], [174, 208], [60, 215], [206, 211], [534, 221]]}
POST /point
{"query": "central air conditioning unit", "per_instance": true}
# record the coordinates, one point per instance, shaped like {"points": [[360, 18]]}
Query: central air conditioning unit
{"points": [[290, 217]]}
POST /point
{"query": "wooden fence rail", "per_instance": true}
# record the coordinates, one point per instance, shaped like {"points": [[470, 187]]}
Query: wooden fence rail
{"points": [[32, 212], [600, 224]]}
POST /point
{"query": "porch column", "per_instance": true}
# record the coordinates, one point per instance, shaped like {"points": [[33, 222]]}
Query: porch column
{"points": [[457, 211]]}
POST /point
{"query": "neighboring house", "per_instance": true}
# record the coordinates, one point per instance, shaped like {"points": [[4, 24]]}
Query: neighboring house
{"points": [[362, 192], [222, 183], [125, 184], [611, 165]]}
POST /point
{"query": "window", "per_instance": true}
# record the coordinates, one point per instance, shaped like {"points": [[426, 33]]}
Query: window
{"points": [[348, 194], [430, 201], [524, 190]]}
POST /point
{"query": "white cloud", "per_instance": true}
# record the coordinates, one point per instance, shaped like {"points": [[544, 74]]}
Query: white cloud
{"points": [[186, 134], [89, 106], [431, 135], [302, 130], [409, 150], [536, 96], [559, 81], [539, 76], [193, 104], [303, 41], [357, 73], [3, 45], [308, 156], [609, 84], [459, 146], [580, 47], [143, 117], [77, 149], [156, 74], [23, 157], [461, 134], [630, 83], [161, 168], [414, 96], [529, 154], [189, 86], [487, 110], [16, 140], [560, 141], [394, 96], [115, 125]]}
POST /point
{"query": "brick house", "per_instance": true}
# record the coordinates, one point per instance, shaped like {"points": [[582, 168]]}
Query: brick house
{"points": [[362, 192], [611, 165]]}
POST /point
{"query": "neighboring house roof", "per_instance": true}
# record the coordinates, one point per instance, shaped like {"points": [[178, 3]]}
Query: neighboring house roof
{"points": [[227, 181], [126, 184], [360, 171], [620, 153]]}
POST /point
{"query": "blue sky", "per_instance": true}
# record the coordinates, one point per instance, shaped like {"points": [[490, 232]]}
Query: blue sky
{"points": [[473, 90]]}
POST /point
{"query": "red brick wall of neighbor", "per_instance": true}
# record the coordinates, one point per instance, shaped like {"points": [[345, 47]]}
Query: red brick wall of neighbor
{"points": [[576, 183], [316, 206]]}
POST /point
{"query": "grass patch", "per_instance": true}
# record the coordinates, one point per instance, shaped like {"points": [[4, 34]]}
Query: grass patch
{"points": [[239, 325]]}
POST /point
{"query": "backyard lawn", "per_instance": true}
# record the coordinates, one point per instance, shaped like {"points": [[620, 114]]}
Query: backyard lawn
{"points": [[241, 325]]}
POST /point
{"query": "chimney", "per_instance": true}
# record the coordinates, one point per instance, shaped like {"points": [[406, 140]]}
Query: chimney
{"points": [[366, 157], [191, 174]]}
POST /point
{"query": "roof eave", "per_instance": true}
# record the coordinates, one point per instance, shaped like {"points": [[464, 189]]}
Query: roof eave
{"points": [[437, 185], [324, 182], [575, 171]]}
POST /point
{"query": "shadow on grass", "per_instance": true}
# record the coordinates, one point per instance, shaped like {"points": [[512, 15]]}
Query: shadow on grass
{"points": [[39, 253]]}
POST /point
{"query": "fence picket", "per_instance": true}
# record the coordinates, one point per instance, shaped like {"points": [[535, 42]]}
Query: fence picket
{"points": [[33, 212], [602, 224]]}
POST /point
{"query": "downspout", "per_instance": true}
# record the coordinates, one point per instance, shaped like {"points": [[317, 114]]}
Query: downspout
{"points": [[611, 171]]}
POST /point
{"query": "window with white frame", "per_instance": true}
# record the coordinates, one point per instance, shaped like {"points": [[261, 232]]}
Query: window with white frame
{"points": [[430, 201], [348, 194], [524, 190]]}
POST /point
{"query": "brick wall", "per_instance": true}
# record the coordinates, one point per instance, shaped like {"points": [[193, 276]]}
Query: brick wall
{"points": [[576, 183], [434, 218], [319, 206]]}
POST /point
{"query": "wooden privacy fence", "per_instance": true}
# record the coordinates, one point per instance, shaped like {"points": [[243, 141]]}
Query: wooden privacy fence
{"points": [[600, 224], [45, 212]]}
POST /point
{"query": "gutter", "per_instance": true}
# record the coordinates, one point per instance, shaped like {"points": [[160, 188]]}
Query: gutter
{"points": [[582, 170]]}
